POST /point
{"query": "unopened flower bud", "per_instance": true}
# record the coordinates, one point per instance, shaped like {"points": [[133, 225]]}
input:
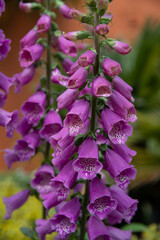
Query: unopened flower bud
{"points": [[65, 11], [103, 4], [28, 7], [44, 23], [75, 14], [102, 29], [86, 58], [77, 35], [119, 47]]}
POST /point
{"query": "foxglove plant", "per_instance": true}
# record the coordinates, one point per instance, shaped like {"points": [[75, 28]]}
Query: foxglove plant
{"points": [[89, 139]]}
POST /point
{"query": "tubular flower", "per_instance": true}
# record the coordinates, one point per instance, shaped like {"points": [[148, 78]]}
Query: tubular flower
{"points": [[111, 67], [44, 23], [67, 47], [5, 84], [86, 58], [29, 39], [101, 87], [4, 46], [78, 79]]}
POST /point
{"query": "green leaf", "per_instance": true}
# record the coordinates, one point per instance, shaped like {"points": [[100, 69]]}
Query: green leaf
{"points": [[28, 232], [135, 227], [79, 139]]}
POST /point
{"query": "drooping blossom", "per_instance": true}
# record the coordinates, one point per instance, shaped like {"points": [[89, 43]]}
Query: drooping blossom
{"points": [[29, 39], [42, 228], [111, 67], [4, 46], [67, 63], [9, 120], [5, 84], [64, 222], [117, 129], [78, 78], [118, 234], [65, 10], [23, 126], [2, 6], [10, 157], [15, 201], [87, 165], [44, 23], [67, 47], [33, 108], [119, 47], [58, 78], [86, 58], [101, 202], [101, 87], [67, 98]]}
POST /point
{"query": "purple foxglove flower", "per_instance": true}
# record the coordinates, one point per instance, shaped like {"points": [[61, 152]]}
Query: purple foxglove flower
{"points": [[29, 55], [122, 87], [119, 169], [29, 39], [58, 78], [119, 47], [15, 201], [42, 179], [33, 109], [64, 222], [78, 79], [10, 157], [50, 200], [101, 87], [111, 67], [67, 47], [23, 126], [65, 10], [117, 129], [126, 205], [67, 63], [42, 228], [96, 229], [44, 23], [60, 141], [77, 35], [86, 58], [63, 157], [67, 98], [9, 120], [86, 91], [52, 124], [102, 29], [2, 6], [101, 139], [62, 183], [76, 117], [75, 14], [26, 7], [20, 79], [115, 217], [25, 147], [5, 84], [101, 202], [118, 234], [108, 16], [103, 4], [87, 165], [124, 151], [122, 106], [74, 68], [4, 46]]}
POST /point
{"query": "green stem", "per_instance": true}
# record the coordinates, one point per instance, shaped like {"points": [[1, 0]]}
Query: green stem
{"points": [[48, 87], [93, 123]]}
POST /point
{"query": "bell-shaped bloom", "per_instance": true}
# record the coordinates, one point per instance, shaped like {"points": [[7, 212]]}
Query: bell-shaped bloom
{"points": [[65, 10], [52, 124], [87, 165], [122, 106], [15, 201], [124, 151], [111, 67], [64, 222], [76, 117], [117, 129], [62, 183], [23, 126], [67, 98], [125, 205], [2, 6], [67, 63], [23, 78], [44, 23], [42, 228], [101, 202], [78, 79], [74, 68], [4, 46], [119, 169], [118, 234], [58, 78], [29, 39], [115, 217], [101, 87], [102, 29], [10, 157], [96, 229], [123, 88], [42, 179], [29, 55], [5, 84], [67, 47], [119, 47], [61, 158], [25, 147], [33, 108], [50, 200], [9, 120], [86, 58]]}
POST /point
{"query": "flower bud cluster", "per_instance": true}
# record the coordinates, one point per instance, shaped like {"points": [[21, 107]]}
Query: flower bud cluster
{"points": [[90, 139]]}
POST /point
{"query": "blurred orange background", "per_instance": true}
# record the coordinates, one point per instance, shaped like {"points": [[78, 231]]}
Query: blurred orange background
{"points": [[129, 19]]}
